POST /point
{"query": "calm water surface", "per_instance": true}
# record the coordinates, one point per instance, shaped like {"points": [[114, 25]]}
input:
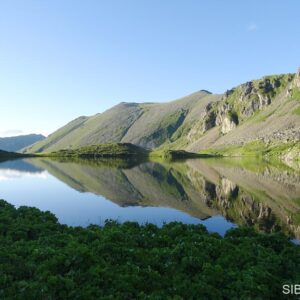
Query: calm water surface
{"points": [[218, 193]]}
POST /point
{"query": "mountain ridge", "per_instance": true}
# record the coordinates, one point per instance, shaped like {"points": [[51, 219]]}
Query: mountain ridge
{"points": [[265, 110], [17, 143]]}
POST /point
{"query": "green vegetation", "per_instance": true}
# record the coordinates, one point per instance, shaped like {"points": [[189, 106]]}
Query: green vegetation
{"points": [[176, 154], [148, 124], [99, 162], [120, 150], [258, 108], [295, 94], [103, 150], [268, 86], [274, 84], [257, 148], [256, 164], [41, 259], [167, 127], [239, 188], [264, 117], [297, 111]]}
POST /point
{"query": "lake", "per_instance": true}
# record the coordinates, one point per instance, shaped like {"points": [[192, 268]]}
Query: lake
{"points": [[218, 193]]}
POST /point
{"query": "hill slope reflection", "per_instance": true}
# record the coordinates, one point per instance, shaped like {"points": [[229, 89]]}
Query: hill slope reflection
{"points": [[252, 193]]}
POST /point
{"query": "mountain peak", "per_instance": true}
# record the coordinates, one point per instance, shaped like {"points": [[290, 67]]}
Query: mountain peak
{"points": [[205, 91]]}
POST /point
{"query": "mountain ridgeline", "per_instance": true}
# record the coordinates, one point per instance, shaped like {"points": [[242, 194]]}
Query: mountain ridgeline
{"points": [[17, 143], [264, 112]]}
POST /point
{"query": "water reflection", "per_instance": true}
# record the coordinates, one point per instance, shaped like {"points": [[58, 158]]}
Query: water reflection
{"points": [[247, 192], [18, 168]]}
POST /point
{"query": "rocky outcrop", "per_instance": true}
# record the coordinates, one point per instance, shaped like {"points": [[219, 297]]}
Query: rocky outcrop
{"points": [[227, 125], [225, 119], [209, 118], [294, 86], [258, 102], [247, 89], [222, 111], [297, 79], [256, 95]]}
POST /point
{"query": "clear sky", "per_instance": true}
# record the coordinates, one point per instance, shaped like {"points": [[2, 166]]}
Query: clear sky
{"points": [[60, 59]]}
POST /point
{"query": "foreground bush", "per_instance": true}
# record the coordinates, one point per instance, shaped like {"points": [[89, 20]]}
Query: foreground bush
{"points": [[42, 259]]}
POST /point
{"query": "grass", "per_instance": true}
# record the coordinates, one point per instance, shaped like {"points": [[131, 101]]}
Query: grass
{"points": [[264, 117], [296, 94], [256, 149], [296, 111], [177, 154], [122, 150]]}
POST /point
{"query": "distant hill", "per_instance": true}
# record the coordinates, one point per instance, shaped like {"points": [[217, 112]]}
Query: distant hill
{"points": [[264, 111], [17, 143], [147, 125], [4, 155]]}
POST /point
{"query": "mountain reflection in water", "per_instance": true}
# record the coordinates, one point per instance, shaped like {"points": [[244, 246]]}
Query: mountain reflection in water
{"points": [[245, 192]]}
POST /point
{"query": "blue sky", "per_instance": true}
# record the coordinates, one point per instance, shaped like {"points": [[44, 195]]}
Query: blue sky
{"points": [[60, 59]]}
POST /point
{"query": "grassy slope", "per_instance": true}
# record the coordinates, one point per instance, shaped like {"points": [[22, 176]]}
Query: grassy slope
{"points": [[180, 124], [258, 148], [55, 137], [148, 125]]}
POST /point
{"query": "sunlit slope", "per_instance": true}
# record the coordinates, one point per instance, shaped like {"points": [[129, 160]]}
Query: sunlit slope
{"points": [[266, 110], [149, 125]]}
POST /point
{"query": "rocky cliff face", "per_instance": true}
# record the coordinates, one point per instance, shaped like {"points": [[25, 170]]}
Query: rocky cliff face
{"points": [[225, 119], [241, 103], [265, 110], [256, 95], [227, 125], [297, 79]]}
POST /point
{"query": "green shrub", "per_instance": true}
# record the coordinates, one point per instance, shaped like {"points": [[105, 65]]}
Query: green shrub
{"points": [[42, 259]]}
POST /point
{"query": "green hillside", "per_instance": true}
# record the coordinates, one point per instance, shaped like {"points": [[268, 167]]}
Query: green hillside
{"points": [[148, 125], [263, 111]]}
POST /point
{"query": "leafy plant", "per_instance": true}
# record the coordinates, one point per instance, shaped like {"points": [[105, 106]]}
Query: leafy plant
{"points": [[42, 259]]}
